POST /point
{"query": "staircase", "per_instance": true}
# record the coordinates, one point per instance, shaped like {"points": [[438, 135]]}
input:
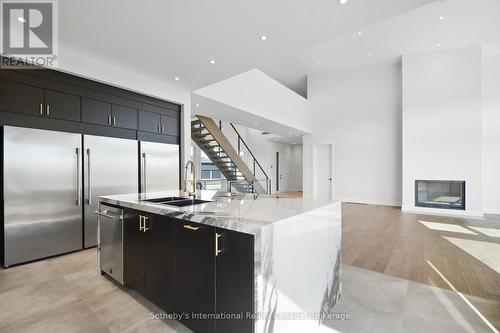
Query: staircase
{"points": [[210, 139]]}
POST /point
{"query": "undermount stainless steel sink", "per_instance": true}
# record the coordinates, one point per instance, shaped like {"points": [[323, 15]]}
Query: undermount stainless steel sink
{"points": [[176, 201], [164, 200], [186, 202]]}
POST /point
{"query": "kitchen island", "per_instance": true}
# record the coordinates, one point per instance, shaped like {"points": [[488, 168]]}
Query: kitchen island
{"points": [[236, 263]]}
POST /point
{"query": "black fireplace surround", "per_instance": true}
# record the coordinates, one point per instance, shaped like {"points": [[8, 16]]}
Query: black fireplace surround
{"points": [[444, 194]]}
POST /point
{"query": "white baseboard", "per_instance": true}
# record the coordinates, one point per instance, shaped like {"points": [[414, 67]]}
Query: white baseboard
{"points": [[492, 211], [442, 212], [372, 202]]}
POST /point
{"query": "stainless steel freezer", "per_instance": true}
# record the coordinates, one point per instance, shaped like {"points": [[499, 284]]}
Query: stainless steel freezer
{"points": [[159, 167], [42, 193], [110, 167]]}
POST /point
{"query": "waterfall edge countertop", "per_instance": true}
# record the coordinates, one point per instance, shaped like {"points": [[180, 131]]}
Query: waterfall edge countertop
{"points": [[238, 212], [297, 251]]}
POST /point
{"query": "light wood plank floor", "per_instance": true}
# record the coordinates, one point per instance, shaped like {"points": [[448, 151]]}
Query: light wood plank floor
{"points": [[446, 252]]}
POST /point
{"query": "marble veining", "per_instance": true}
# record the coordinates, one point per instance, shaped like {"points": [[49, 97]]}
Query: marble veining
{"points": [[297, 251], [238, 212]]}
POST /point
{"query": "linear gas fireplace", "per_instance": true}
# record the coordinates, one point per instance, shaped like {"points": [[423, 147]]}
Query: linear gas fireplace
{"points": [[444, 194]]}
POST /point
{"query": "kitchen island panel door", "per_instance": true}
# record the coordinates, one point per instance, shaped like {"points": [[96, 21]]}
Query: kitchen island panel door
{"points": [[195, 274], [134, 247], [235, 280], [110, 167], [42, 193], [160, 261]]}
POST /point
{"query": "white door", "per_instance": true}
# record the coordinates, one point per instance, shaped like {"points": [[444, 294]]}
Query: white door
{"points": [[323, 172]]}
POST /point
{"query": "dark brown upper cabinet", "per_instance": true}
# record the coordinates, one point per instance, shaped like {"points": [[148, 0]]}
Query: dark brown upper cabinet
{"points": [[149, 122], [96, 112], [103, 113], [16, 97], [124, 116], [157, 123], [62, 106], [53, 100], [169, 125]]}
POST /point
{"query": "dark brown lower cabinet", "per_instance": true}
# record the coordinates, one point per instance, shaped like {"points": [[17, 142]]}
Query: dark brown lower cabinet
{"points": [[195, 275], [203, 273], [160, 261], [148, 256], [234, 271], [134, 241]]}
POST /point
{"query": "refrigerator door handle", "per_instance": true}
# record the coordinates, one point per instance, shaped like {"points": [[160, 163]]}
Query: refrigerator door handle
{"points": [[89, 178], [78, 190], [144, 188]]}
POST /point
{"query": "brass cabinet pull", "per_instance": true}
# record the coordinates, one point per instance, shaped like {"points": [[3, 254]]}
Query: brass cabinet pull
{"points": [[162, 129], [190, 227], [109, 120], [114, 121], [145, 227], [217, 250], [159, 128], [140, 222], [47, 110], [41, 109]]}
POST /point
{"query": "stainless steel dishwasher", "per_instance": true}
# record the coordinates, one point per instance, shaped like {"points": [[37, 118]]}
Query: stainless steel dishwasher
{"points": [[110, 241]]}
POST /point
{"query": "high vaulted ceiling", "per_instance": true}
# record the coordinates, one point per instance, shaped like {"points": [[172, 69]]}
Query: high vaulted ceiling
{"points": [[167, 38]]}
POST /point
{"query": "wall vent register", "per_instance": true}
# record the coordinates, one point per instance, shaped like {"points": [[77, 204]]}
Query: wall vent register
{"points": [[444, 194]]}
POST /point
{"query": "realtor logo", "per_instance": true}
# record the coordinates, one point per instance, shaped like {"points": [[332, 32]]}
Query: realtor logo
{"points": [[29, 32]]}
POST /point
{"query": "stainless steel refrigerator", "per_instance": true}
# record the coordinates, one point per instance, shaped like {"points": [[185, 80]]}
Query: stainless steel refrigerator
{"points": [[51, 181], [110, 167], [42, 178], [159, 167]]}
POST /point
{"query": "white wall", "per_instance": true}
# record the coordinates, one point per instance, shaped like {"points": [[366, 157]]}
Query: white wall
{"points": [[253, 95], [296, 173], [359, 112], [491, 134], [265, 152], [442, 122], [95, 69]]}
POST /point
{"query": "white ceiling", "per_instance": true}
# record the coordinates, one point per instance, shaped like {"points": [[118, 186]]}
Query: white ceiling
{"points": [[463, 23], [166, 38]]}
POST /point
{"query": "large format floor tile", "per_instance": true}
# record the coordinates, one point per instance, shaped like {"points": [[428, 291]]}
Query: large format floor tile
{"points": [[367, 296], [458, 254], [406, 295]]}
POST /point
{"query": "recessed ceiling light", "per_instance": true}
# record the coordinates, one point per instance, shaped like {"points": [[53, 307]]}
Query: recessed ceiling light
{"points": [[438, 44], [255, 122], [263, 37], [441, 17], [212, 61], [21, 19], [295, 143], [177, 78], [317, 61], [370, 54], [360, 33], [197, 105], [343, 2]]}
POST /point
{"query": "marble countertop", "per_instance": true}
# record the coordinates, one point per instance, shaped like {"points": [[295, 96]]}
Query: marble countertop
{"points": [[238, 212]]}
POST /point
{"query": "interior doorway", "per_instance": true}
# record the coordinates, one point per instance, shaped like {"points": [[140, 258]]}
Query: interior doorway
{"points": [[278, 175], [323, 171]]}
